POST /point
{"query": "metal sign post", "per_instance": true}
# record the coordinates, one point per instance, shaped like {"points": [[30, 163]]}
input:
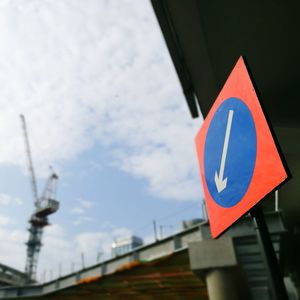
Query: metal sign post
{"points": [[275, 277]]}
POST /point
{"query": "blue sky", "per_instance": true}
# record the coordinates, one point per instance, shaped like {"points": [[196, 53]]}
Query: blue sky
{"points": [[104, 107]]}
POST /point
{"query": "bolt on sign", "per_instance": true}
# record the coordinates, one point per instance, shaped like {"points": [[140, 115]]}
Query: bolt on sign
{"points": [[238, 158]]}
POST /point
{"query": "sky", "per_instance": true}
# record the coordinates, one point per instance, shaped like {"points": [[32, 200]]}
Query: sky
{"points": [[104, 107]]}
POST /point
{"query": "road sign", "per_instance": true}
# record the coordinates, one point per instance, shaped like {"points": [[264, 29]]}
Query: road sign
{"points": [[238, 158]]}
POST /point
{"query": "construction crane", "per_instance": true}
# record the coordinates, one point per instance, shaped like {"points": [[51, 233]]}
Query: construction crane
{"points": [[44, 206]]}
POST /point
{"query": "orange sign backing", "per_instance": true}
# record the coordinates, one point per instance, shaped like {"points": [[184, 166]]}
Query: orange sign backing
{"points": [[238, 158]]}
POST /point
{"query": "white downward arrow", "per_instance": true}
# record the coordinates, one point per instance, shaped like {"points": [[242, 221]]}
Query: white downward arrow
{"points": [[220, 182]]}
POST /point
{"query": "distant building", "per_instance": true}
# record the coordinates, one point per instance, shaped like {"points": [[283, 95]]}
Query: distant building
{"points": [[191, 223], [124, 245], [12, 277]]}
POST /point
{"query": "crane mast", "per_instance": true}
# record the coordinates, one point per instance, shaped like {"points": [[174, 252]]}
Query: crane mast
{"points": [[44, 206], [29, 159]]}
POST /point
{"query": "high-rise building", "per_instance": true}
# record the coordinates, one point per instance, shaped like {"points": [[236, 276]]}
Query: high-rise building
{"points": [[124, 245]]}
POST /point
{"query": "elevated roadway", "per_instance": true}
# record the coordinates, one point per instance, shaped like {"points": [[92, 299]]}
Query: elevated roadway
{"points": [[162, 270]]}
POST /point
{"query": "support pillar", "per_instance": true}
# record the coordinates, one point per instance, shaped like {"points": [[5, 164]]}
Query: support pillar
{"points": [[215, 260], [220, 284]]}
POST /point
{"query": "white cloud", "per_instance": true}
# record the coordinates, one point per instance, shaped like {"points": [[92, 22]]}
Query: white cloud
{"points": [[78, 210], [82, 220], [12, 250], [92, 72], [88, 73], [92, 243], [87, 204], [4, 220], [81, 211], [60, 250], [6, 200]]}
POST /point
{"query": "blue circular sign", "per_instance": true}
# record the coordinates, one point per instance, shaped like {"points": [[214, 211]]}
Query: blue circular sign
{"points": [[230, 152]]}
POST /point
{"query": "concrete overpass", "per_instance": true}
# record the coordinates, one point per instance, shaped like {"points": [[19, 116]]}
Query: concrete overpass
{"points": [[165, 270]]}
